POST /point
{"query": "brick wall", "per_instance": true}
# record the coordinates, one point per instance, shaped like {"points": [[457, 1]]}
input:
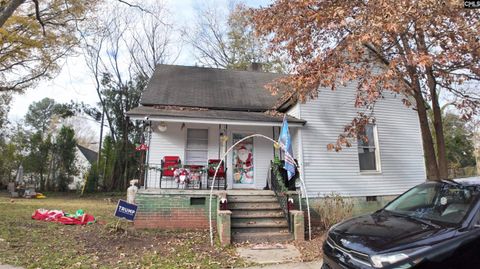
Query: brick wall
{"points": [[174, 211]]}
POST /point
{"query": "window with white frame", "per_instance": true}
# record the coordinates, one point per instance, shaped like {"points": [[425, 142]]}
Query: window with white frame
{"points": [[196, 152], [368, 154]]}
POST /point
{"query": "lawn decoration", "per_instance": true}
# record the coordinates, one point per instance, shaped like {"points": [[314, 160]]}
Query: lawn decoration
{"points": [[79, 218]]}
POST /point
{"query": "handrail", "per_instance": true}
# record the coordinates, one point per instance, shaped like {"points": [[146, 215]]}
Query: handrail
{"points": [[280, 190]]}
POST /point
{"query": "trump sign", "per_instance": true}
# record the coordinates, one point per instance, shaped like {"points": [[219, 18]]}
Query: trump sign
{"points": [[125, 210]]}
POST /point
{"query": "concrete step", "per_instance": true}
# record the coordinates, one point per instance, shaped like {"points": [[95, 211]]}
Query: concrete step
{"points": [[249, 192], [254, 206], [260, 223], [258, 230], [251, 198], [262, 236], [274, 213]]}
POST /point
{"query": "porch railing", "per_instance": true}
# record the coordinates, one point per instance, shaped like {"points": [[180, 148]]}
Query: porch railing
{"points": [[155, 178], [279, 188]]}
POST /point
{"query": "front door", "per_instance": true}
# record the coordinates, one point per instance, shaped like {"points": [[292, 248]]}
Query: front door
{"points": [[243, 168]]}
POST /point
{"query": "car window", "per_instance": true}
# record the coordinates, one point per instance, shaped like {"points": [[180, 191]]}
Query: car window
{"points": [[444, 202]]}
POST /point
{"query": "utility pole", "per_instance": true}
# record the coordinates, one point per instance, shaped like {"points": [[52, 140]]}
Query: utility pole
{"points": [[100, 144]]}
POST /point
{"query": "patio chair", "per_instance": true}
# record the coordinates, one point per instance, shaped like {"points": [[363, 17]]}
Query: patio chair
{"points": [[168, 166], [221, 179]]}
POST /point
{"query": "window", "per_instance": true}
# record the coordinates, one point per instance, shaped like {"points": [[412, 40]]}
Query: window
{"points": [[368, 155], [196, 152]]}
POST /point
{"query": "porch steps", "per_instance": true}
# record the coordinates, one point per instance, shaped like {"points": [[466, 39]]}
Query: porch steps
{"points": [[253, 206], [257, 217]]}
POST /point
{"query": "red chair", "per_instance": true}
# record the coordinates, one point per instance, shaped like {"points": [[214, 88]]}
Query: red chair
{"points": [[169, 164], [221, 174]]}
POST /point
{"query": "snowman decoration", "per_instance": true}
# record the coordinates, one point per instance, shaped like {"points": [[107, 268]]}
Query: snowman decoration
{"points": [[244, 166]]}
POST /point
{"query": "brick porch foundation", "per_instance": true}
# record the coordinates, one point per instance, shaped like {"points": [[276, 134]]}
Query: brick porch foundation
{"points": [[174, 209]]}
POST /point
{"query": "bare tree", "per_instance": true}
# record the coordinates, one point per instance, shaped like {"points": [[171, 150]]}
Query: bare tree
{"points": [[150, 43], [223, 38], [122, 52]]}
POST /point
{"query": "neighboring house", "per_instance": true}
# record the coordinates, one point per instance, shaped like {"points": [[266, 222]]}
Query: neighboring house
{"points": [[85, 158], [194, 110]]}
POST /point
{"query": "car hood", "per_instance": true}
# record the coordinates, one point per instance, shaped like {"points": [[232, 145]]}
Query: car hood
{"points": [[382, 231]]}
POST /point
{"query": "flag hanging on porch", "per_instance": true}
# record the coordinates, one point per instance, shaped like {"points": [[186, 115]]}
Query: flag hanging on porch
{"points": [[285, 141]]}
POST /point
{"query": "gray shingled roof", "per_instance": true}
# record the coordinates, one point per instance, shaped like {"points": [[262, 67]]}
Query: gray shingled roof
{"points": [[89, 154], [189, 86], [210, 114]]}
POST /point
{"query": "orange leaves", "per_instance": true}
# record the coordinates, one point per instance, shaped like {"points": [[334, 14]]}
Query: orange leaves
{"points": [[385, 46]]}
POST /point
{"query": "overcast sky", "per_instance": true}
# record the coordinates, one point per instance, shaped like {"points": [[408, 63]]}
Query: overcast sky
{"points": [[74, 82]]}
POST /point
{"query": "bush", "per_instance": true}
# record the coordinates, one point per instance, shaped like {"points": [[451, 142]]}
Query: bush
{"points": [[333, 209]]}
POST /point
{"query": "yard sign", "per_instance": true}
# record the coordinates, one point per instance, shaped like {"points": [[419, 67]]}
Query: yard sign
{"points": [[125, 210]]}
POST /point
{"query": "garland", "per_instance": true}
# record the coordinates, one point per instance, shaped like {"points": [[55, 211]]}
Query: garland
{"points": [[276, 166]]}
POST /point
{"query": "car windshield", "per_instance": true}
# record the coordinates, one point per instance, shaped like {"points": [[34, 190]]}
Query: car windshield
{"points": [[440, 201]]}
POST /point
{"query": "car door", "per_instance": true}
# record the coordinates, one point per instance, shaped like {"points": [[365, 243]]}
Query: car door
{"points": [[466, 252]]}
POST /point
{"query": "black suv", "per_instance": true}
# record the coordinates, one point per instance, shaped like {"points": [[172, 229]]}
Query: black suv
{"points": [[433, 225]]}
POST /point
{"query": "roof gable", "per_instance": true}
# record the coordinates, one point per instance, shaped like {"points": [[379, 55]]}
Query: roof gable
{"points": [[188, 86], [89, 154]]}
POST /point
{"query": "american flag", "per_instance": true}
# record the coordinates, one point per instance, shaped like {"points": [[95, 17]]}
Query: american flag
{"points": [[286, 143]]}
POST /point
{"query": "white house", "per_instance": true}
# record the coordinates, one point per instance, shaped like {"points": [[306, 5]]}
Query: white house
{"points": [[196, 113], [85, 158], [192, 115]]}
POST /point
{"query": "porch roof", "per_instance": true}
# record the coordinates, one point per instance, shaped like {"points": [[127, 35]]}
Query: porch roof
{"points": [[211, 116]]}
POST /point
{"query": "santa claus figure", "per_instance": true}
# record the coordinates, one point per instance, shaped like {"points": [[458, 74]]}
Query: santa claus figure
{"points": [[244, 165]]}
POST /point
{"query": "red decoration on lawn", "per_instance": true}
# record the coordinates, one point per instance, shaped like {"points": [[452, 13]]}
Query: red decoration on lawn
{"points": [[61, 217]]}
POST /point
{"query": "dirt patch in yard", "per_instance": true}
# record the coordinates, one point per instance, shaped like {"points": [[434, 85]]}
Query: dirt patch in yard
{"points": [[312, 250], [109, 243]]}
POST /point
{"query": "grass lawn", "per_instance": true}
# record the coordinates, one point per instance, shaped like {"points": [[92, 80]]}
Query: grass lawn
{"points": [[109, 243]]}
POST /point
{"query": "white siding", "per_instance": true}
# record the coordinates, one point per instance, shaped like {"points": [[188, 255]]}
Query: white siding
{"points": [[294, 132], [400, 145]]}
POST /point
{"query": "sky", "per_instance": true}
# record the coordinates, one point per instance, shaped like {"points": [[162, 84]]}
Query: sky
{"points": [[75, 83]]}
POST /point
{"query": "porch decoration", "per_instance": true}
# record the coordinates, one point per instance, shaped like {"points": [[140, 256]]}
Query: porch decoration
{"points": [[223, 203], [243, 168], [79, 218], [304, 192], [181, 175], [141, 147]]}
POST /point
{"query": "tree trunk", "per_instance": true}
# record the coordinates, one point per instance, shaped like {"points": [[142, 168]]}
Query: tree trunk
{"points": [[8, 10], [439, 135], [428, 148], [442, 163]]}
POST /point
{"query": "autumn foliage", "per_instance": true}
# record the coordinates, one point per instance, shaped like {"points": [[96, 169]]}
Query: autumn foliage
{"points": [[427, 51], [35, 36]]}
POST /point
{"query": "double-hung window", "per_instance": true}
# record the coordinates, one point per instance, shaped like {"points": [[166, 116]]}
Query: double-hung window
{"points": [[368, 154], [196, 152]]}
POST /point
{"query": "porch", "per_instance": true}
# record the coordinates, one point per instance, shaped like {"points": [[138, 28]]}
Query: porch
{"points": [[185, 146]]}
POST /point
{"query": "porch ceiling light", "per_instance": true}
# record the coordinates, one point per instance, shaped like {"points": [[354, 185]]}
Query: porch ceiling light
{"points": [[162, 127]]}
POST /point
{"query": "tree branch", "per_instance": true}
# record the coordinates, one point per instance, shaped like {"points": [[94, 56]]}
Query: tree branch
{"points": [[37, 15]]}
